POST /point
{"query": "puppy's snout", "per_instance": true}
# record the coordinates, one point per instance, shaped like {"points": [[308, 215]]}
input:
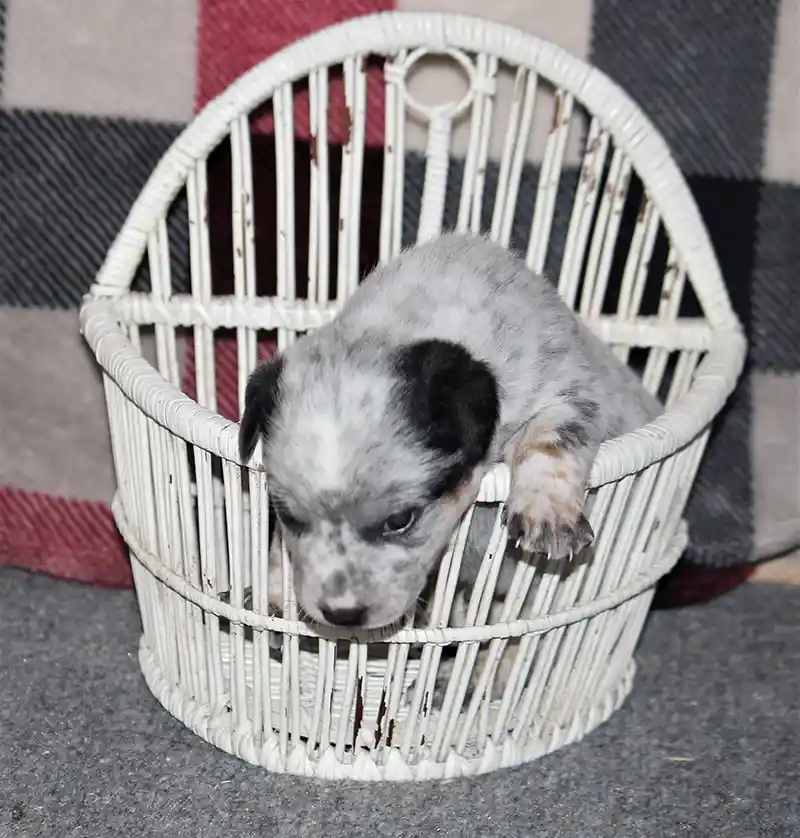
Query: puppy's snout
{"points": [[345, 617]]}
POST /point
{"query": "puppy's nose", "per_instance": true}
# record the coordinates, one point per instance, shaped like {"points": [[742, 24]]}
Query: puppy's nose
{"points": [[344, 616]]}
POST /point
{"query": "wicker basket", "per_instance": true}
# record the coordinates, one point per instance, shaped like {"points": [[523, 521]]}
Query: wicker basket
{"points": [[427, 701]]}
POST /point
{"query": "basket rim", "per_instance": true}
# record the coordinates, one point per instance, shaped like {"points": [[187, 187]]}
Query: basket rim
{"points": [[618, 457], [386, 33]]}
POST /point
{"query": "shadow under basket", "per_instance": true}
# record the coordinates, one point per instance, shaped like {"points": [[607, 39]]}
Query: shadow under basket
{"points": [[256, 225]]}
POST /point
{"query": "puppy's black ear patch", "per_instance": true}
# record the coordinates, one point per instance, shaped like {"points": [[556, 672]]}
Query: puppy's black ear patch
{"points": [[260, 399], [451, 399]]}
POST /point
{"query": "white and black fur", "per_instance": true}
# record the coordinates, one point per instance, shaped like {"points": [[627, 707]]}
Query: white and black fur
{"points": [[379, 426]]}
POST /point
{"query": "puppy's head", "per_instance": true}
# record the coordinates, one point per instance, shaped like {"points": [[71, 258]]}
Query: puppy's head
{"points": [[373, 454]]}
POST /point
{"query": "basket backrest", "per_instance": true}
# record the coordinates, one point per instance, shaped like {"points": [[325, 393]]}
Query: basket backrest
{"points": [[383, 131]]}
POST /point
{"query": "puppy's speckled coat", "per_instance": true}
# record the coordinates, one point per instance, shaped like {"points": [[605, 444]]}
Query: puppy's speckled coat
{"points": [[379, 426]]}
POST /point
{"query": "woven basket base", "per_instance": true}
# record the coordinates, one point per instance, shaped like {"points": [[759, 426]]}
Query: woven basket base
{"points": [[216, 728]]}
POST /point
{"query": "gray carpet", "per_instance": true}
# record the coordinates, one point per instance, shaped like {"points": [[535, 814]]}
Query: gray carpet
{"points": [[708, 745]]}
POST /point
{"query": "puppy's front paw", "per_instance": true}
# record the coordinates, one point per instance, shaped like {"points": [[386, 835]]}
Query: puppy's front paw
{"points": [[556, 538], [545, 505]]}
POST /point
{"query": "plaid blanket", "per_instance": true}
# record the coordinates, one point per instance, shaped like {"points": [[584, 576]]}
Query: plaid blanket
{"points": [[93, 91]]}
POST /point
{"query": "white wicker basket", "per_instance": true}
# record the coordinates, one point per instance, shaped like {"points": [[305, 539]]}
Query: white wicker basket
{"points": [[369, 706]]}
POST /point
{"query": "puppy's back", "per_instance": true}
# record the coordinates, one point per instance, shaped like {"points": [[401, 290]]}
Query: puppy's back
{"points": [[472, 291]]}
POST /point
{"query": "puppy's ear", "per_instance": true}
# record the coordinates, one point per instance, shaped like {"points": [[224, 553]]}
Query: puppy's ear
{"points": [[260, 399], [452, 398]]}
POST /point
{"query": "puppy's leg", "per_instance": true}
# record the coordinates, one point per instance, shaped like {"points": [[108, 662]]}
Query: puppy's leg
{"points": [[550, 460]]}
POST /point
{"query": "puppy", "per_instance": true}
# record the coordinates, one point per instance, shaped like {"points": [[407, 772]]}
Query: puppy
{"points": [[378, 427]]}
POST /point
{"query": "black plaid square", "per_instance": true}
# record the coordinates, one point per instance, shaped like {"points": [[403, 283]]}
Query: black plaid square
{"points": [[68, 184]]}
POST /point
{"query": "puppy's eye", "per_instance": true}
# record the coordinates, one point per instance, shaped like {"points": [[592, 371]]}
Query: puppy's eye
{"points": [[400, 522], [294, 525]]}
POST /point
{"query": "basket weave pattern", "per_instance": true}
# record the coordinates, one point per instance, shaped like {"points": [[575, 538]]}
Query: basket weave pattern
{"points": [[446, 698]]}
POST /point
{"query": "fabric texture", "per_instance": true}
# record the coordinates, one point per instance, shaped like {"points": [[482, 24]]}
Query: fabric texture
{"points": [[84, 119]]}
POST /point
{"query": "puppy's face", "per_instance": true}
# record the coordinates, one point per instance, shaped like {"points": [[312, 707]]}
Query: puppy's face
{"points": [[373, 454]]}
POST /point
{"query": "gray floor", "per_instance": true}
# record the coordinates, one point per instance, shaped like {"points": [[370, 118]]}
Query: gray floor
{"points": [[708, 745]]}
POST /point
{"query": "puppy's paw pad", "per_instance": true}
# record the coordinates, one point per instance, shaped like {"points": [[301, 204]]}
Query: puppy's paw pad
{"points": [[557, 540]]}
